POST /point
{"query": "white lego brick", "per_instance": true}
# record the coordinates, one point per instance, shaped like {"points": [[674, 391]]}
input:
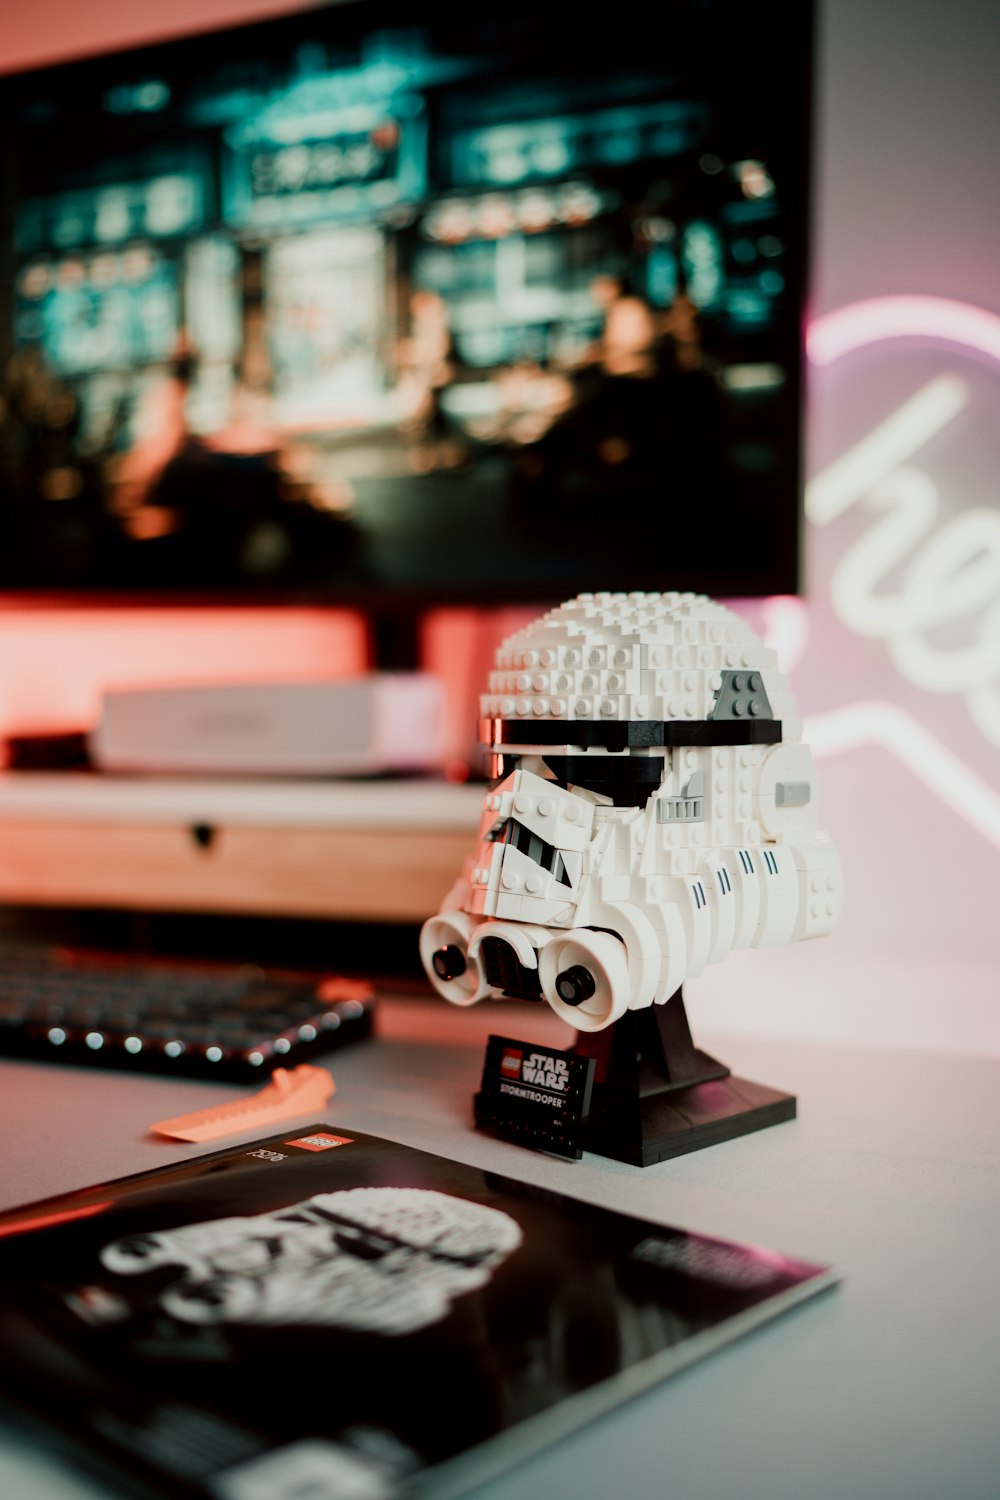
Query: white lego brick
{"points": [[507, 906], [693, 902], [656, 954], [549, 810], [821, 888], [481, 902], [784, 792], [523, 938], [612, 888], [746, 887], [779, 896], [550, 910], [517, 908], [490, 816], [518, 873], [718, 883]]}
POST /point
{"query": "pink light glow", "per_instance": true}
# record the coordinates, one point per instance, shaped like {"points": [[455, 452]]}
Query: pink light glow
{"points": [[45, 1221], [55, 662], [785, 621], [877, 319], [888, 727]]}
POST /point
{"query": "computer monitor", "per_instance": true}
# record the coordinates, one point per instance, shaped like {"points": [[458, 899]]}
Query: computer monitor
{"points": [[393, 307]]}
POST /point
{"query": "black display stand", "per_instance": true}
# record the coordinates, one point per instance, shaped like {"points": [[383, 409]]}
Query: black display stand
{"points": [[656, 1095], [535, 1096]]}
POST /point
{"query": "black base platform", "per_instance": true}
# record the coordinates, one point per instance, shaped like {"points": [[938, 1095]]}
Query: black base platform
{"points": [[656, 1095]]}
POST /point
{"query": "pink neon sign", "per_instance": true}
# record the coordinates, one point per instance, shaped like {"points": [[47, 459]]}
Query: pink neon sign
{"points": [[878, 319]]}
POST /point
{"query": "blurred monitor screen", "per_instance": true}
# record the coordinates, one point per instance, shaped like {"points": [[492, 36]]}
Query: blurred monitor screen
{"points": [[395, 302]]}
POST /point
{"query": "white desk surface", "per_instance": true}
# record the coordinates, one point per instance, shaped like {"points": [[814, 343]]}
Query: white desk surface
{"points": [[885, 1387]]}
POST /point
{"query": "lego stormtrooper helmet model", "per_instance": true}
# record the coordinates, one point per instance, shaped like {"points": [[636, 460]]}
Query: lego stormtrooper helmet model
{"points": [[653, 808]]}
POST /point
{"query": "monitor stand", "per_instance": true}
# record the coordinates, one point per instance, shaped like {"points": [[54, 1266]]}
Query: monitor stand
{"points": [[656, 1095], [395, 636]]}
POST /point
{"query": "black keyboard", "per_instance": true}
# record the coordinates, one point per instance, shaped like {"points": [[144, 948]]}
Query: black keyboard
{"points": [[205, 1021]]}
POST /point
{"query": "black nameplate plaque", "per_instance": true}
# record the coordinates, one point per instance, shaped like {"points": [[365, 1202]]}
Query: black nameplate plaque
{"points": [[535, 1096]]}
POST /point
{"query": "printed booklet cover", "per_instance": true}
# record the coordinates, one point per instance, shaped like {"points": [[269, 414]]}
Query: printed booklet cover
{"points": [[332, 1314]]}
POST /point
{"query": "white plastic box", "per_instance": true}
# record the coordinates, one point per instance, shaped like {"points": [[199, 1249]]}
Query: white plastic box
{"points": [[379, 723]]}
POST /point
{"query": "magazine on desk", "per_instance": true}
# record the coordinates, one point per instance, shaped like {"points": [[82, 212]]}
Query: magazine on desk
{"points": [[329, 1313]]}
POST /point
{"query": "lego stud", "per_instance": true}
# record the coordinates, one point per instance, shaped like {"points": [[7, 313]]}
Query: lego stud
{"points": [[449, 963], [575, 985]]}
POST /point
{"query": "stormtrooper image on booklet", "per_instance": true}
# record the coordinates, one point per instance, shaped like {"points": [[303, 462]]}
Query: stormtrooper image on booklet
{"points": [[379, 1260], [336, 1315]]}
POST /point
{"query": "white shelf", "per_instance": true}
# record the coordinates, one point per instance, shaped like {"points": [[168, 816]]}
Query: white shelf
{"points": [[246, 802]]}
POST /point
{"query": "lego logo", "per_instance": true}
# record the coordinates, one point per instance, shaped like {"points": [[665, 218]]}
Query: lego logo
{"points": [[322, 1141], [510, 1063]]}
